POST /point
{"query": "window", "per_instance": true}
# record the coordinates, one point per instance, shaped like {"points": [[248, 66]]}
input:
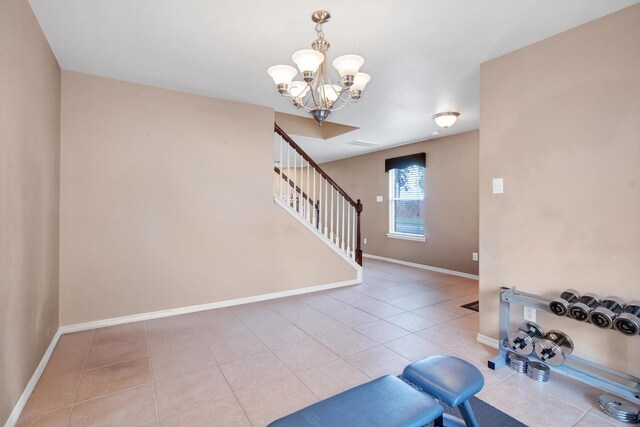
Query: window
{"points": [[406, 203]]}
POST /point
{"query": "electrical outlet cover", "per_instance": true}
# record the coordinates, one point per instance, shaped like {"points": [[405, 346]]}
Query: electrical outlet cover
{"points": [[530, 314]]}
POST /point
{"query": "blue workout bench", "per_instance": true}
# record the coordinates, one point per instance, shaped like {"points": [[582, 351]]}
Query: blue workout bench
{"points": [[391, 402], [451, 380]]}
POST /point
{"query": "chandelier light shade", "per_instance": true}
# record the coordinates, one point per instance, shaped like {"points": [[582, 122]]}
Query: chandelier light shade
{"points": [[445, 120], [348, 65], [359, 82], [298, 89], [307, 60], [315, 92], [282, 74]]}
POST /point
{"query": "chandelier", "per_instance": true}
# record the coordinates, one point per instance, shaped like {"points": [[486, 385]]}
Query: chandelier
{"points": [[316, 94]]}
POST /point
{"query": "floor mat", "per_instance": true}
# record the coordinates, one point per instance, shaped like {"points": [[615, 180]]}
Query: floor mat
{"points": [[487, 415], [474, 306]]}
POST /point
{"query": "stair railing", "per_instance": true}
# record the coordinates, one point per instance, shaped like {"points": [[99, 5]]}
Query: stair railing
{"points": [[313, 195]]}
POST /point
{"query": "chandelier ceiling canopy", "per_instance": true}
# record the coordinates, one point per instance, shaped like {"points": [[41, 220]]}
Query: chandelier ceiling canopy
{"points": [[315, 93]]}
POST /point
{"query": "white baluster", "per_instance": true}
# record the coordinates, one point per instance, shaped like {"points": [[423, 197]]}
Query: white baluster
{"points": [[299, 182], [348, 230], [288, 175], [295, 177], [331, 210], [343, 213], [314, 217], [340, 219], [304, 206], [280, 167], [309, 205], [306, 191], [326, 205], [303, 203], [337, 214], [339, 232]]}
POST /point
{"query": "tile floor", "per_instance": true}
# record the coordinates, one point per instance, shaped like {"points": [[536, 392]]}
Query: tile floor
{"points": [[248, 365]]}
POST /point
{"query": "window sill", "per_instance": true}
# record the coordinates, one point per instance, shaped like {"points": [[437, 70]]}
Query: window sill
{"points": [[406, 237]]}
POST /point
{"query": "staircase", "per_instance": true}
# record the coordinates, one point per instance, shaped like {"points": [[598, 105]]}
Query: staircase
{"points": [[308, 193]]}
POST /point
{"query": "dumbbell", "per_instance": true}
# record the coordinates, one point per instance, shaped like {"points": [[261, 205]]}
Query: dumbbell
{"points": [[629, 321], [554, 347], [603, 316], [581, 309], [560, 306], [523, 339]]}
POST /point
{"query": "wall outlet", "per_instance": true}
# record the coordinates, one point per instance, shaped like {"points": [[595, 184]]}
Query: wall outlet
{"points": [[364, 240], [474, 256], [530, 314], [498, 186]]}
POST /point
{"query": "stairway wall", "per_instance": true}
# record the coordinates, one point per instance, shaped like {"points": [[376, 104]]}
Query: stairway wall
{"points": [[166, 201], [29, 197]]}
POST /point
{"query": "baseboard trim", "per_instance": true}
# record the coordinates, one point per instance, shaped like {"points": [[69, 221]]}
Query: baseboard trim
{"points": [[202, 307], [423, 266], [22, 401], [31, 385], [483, 339]]}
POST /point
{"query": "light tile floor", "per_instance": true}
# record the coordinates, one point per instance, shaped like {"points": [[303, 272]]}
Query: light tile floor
{"points": [[248, 365]]}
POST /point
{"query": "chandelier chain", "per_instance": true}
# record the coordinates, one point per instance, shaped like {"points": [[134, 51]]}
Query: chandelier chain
{"points": [[319, 30]]}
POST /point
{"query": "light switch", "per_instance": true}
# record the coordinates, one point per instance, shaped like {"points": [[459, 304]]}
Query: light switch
{"points": [[498, 186], [378, 198]]}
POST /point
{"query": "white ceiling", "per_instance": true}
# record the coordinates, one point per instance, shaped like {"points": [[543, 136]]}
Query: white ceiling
{"points": [[423, 56]]}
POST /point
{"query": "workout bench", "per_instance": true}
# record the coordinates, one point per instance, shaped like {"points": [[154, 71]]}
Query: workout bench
{"points": [[392, 402]]}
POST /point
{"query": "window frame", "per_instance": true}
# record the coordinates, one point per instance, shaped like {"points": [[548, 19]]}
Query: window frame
{"points": [[392, 204]]}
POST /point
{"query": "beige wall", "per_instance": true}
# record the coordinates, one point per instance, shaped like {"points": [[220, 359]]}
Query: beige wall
{"points": [[29, 198], [560, 123], [451, 201], [166, 201]]}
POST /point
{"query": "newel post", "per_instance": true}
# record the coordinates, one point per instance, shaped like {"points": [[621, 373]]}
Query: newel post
{"points": [[358, 238]]}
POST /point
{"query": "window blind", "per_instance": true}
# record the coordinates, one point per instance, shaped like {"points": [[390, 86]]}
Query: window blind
{"points": [[418, 159]]}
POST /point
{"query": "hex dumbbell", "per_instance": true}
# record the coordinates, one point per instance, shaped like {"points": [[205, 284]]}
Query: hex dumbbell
{"points": [[629, 321], [606, 313], [560, 306], [554, 347], [581, 309], [523, 339]]}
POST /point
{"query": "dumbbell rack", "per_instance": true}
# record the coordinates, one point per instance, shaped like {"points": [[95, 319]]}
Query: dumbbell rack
{"points": [[596, 375]]}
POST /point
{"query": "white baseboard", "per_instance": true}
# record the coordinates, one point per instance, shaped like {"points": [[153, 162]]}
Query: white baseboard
{"points": [[423, 266], [31, 385], [483, 339], [201, 307], [19, 407]]}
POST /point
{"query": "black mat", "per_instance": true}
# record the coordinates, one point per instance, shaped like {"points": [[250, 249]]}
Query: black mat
{"points": [[487, 415], [474, 306]]}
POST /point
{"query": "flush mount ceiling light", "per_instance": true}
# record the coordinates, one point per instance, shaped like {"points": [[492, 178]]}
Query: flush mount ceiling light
{"points": [[445, 120], [316, 94]]}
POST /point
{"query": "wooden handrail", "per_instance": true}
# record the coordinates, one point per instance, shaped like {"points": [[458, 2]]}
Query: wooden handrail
{"points": [[295, 187], [304, 155], [357, 205]]}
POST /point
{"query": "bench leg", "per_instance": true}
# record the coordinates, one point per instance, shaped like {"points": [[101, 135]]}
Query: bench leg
{"points": [[467, 414]]}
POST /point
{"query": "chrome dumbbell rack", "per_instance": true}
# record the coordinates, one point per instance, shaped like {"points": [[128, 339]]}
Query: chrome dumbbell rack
{"points": [[596, 375]]}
